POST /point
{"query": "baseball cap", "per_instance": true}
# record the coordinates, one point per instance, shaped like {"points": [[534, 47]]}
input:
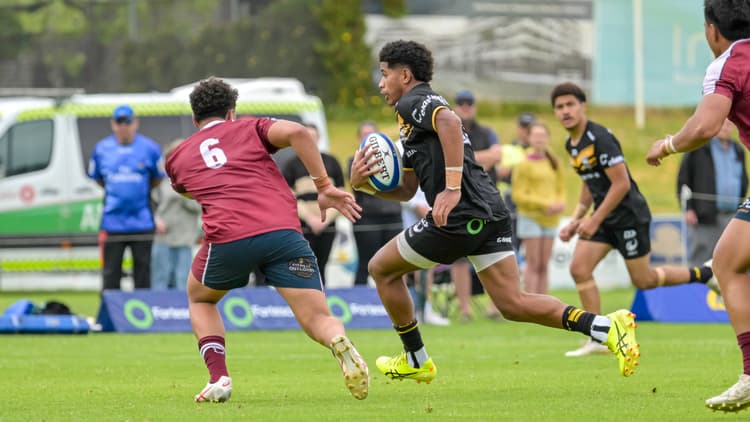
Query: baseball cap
{"points": [[525, 119], [465, 96], [123, 114]]}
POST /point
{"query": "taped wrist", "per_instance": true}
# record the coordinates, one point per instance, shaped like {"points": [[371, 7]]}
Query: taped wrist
{"points": [[321, 182], [453, 177]]}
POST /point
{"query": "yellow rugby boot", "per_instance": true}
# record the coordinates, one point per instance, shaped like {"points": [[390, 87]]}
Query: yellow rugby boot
{"points": [[398, 368], [621, 340]]}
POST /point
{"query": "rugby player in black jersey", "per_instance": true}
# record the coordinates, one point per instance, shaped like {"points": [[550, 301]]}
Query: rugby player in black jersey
{"points": [[621, 217], [468, 219]]}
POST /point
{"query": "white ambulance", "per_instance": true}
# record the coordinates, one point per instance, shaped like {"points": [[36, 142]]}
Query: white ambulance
{"points": [[50, 209]]}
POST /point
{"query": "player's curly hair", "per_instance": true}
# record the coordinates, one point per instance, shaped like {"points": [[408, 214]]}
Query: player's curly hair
{"points": [[567, 88], [731, 17], [409, 53], [212, 97]]}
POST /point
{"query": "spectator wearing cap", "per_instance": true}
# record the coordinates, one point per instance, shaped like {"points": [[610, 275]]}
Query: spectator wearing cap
{"points": [[512, 154], [487, 152], [484, 140], [127, 165]]}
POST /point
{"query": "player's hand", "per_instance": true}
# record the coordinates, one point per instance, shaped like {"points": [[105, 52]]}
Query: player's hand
{"points": [[587, 227], [567, 232], [656, 153], [360, 171], [161, 226], [332, 197], [445, 201], [691, 218]]}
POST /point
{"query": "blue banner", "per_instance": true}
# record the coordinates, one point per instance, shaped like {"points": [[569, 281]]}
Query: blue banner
{"points": [[675, 52], [253, 308], [685, 303]]}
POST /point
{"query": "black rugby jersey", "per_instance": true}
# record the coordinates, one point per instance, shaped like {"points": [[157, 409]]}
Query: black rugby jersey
{"points": [[597, 150], [416, 112]]}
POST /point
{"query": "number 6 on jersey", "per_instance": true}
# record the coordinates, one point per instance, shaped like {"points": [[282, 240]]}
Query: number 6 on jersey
{"points": [[214, 157]]}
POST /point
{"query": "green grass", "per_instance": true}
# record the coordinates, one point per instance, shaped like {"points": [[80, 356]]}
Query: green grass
{"points": [[487, 371], [658, 184]]}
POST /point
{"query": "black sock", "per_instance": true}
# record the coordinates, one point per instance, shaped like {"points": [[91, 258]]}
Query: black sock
{"points": [[574, 319], [701, 274], [410, 336]]}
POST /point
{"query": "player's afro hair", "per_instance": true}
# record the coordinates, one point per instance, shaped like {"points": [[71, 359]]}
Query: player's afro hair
{"points": [[409, 53], [567, 88], [212, 97], [731, 17]]}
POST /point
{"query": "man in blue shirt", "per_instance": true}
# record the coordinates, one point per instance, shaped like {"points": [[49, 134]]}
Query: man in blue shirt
{"points": [[716, 176], [127, 165]]}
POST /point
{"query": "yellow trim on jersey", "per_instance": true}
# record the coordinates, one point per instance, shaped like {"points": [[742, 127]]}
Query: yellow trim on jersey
{"points": [[434, 115], [407, 169]]}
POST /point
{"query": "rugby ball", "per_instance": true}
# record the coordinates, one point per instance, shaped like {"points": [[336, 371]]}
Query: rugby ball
{"points": [[388, 157]]}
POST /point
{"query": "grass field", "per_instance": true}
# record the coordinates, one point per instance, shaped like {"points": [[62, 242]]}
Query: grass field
{"points": [[487, 371]]}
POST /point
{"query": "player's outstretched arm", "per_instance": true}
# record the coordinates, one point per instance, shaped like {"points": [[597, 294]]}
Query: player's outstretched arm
{"points": [[284, 133], [704, 124]]}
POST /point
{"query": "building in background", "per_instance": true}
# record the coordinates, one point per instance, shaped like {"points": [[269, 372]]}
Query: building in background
{"points": [[517, 50]]}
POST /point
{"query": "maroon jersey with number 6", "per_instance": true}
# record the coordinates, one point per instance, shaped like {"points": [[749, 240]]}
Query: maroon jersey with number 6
{"points": [[227, 167]]}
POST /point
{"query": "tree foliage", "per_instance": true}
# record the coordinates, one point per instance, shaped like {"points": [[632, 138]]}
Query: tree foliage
{"points": [[98, 45], [345, 56], [13, 39]]}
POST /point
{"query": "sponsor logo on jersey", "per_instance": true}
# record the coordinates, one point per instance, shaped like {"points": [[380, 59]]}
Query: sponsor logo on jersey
{"points": [[584, 159], [505, 239], [629, 234], [404, 129], [418, 114], [589, 176]]}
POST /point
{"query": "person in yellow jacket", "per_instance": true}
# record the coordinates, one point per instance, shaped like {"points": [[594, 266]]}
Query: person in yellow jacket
{"points": [[538, 190], [512, 154]]}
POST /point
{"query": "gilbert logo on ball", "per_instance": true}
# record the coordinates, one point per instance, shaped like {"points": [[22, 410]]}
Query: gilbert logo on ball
{"points": [[387, 157]]}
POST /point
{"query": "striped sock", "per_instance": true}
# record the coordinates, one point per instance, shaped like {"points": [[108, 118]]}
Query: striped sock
{"points": [[214, 354], [600, 328], [701, 274]]}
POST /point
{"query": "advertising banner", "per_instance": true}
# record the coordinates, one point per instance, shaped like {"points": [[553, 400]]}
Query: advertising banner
{"points": [[685, 303], [254, 308]]}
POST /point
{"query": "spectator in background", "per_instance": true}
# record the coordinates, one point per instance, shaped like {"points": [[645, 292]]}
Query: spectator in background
{"points": [[717, 178], [127, 165], [381, 219], [484, 140], [512, 154], [320, 234], [538, 190], [487, 152], [177, 231]]}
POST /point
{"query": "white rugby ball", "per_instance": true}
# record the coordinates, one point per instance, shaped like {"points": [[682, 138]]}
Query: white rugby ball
{"points": [[389, 159]]}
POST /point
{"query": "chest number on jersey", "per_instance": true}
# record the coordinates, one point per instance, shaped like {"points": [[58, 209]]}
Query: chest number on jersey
{"points": [[214, 157]]}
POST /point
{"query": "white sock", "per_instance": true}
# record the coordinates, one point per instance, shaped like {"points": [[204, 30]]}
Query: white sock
{"points": [[418, 358], [600, 328]]}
